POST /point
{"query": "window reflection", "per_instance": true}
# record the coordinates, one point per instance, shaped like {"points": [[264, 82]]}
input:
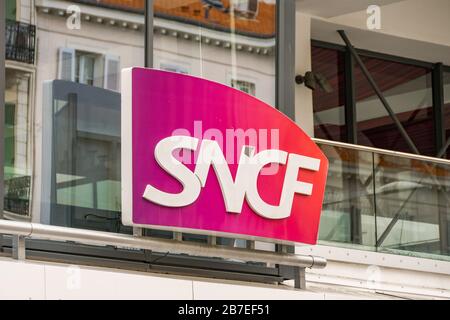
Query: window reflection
{"points": [[408, 90], [329, 107], [84, 129], [17, 154], [63, 109], [228, 41]]}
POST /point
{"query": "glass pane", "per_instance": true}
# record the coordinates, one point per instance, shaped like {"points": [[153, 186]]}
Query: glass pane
{"points": [[231, 42], [447, 108], [413, 206], [86, 138], [17, 141], [348, 214], [63, 111], [329, 99], [408, 90]]}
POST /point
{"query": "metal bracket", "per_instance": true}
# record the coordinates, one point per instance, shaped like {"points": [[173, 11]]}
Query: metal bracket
{"points": [[178, 236], [138, 232], [18, 247], [300, 278]]}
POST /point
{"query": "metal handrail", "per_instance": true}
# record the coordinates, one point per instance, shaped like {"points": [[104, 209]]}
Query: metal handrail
{"points": [[89, 237], [399, 154]]}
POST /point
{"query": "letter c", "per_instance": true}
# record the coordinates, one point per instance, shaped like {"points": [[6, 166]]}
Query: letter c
{"points": [[258, 205]]}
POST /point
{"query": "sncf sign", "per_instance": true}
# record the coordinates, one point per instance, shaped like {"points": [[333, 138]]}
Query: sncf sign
{"points": [[198, 156]]}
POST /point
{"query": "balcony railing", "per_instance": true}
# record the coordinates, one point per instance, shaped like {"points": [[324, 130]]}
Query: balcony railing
{"points": [[20, 41], [386, 201]]}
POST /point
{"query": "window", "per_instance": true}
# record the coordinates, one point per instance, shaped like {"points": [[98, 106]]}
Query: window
{"points": [[84, 68], [247, 8], [89, 68], [329, 107], [245, 86], [408, 90], [406, 86], [11, 9]]}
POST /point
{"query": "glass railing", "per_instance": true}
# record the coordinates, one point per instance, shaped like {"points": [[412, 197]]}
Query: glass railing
{"points": [[386, 201]]}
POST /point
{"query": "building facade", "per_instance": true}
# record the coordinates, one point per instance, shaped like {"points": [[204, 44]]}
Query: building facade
{"points": [[365, 80]]}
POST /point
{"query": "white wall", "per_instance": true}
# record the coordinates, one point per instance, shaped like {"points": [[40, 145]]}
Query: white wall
{"points": [[350, 274], [34, 280], [413, 19], [30, 280]]}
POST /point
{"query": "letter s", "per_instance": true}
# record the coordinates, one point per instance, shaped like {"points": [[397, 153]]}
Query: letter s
{"points": [[166, 160]]}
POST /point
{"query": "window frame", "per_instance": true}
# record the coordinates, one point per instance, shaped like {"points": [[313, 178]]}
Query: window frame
{"points": [[350, 100]]}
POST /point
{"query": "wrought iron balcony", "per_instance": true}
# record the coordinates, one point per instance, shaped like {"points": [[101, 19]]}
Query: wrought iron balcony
{"points": [[20, 41]]}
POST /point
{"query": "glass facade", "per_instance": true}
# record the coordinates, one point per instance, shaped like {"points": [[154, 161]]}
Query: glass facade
{"points": [[376, 201], [230, 42], [75, 149], [77, 110], [62, 117]]}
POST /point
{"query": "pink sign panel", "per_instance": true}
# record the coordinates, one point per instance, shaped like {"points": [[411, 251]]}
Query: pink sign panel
{"points": [[201, 157]]}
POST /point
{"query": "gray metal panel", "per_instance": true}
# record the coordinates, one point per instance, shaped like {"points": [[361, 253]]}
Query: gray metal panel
{"points": [[285, 64]]}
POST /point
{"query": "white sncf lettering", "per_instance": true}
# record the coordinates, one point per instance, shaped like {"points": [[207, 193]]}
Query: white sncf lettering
{"points": [[234, 191]]}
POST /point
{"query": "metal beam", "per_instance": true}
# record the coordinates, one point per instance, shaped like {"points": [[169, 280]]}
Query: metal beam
{"points": [[350, 99], [444, 149], [378, 92], [299, 278], [285, 58], [2, 104], [438, 105], [148, 34], [89, 237], [18, 247]]}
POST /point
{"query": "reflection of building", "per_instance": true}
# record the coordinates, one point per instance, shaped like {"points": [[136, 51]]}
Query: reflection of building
{"points": [[19, 96], [117, 28], [111, 37]]}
